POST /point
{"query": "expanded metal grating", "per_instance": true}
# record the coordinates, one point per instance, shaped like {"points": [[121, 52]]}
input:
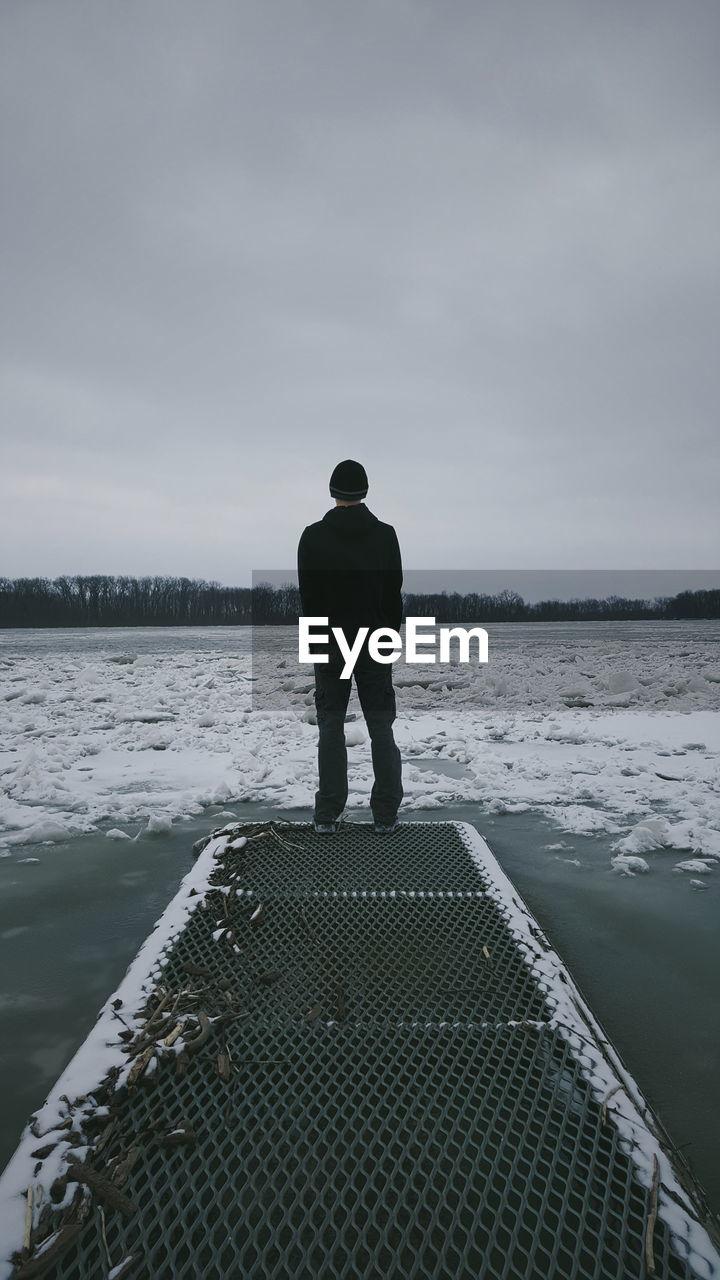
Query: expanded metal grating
{"points": [[396, 958], [398, 1103], [421, 856]]}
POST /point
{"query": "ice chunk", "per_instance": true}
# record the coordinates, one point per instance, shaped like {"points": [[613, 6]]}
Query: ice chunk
{"points": [[159, 824], [116, 834], [354, 735], [145, 717], [627, 865], [622, 682], [155, 740], [647, 835], [498, 805], [574, 691], [46, 832], [694, 864]]}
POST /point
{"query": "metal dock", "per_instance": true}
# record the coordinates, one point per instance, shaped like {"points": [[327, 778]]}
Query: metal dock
{"points": [[350, 1057]]}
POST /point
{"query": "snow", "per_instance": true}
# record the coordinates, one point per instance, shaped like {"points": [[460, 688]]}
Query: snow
{"points": [[598, 733]]}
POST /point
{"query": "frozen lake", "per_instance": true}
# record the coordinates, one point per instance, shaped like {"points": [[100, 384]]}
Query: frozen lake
{"points": [[587, 754], [601, 726]]}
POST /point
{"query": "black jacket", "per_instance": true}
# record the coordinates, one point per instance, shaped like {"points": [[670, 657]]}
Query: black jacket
{"points": [[350, 570]]}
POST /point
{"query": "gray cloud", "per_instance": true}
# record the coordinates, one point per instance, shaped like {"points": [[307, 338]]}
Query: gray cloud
{"points": [[474, 245]]}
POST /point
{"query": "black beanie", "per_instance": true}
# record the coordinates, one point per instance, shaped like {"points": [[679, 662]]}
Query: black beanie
{"points": [[349, 481]]}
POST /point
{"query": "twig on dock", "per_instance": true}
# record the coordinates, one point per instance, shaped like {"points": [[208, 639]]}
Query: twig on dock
{"points": [[183, 1136], [286, 844], [269, 977], [52, 1249], [159, 1008], [140, 1064], [103, 1189], [28, 1220], [652, 1215], [124, 1166], [606, 1099], [101, 1211], [197, 1041]]}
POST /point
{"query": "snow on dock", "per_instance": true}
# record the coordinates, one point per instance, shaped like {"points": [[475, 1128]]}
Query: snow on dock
{"points": [[349, 1056]]}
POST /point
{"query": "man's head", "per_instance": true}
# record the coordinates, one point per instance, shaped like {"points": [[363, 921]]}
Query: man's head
{"points": [[348, 483]]}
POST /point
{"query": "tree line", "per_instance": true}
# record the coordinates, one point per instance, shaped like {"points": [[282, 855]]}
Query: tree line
{"points": [[100, 600]]}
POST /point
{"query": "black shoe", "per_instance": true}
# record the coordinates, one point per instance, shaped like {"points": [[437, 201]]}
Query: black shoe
{"points": [[385, 828]]}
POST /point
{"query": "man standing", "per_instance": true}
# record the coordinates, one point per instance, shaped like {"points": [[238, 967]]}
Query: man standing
{"points": [[350, 572]]}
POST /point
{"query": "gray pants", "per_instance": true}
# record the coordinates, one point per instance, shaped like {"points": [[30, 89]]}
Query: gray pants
{"points": [[373, 681]]}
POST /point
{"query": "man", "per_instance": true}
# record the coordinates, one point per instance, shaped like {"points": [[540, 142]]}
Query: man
{"points": [[350, 572]]}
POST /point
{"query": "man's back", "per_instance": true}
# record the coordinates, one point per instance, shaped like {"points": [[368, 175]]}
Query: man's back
{"points": [[350, 570]]}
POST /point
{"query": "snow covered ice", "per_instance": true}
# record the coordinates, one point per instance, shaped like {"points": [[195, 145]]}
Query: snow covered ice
{"points": [[611, 728]]}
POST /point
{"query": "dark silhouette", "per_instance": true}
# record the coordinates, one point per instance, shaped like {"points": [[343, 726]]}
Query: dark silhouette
{"points": [[350, 572]]}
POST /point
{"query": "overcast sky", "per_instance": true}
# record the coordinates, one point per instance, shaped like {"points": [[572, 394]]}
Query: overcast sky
{"points": [[473, 245]]}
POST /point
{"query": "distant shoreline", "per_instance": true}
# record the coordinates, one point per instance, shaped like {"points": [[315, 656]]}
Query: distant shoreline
{"points": [[108, 602], [249, 626]]}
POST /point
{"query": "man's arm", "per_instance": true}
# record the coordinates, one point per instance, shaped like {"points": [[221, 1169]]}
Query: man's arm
{"points": [[302, 568], [392, 584], [309, 579]]}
